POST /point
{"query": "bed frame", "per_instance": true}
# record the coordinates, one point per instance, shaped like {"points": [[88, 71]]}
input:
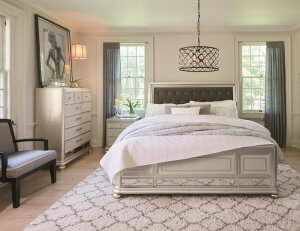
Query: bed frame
{"points": [[251, 170]]}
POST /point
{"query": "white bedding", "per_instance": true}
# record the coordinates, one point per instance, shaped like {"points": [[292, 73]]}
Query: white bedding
{"points": [[166, 138]]}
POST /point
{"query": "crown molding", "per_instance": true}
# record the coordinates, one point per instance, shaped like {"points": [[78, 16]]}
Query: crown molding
{"points": [[151, 30], [42, 12], [190, 30]]}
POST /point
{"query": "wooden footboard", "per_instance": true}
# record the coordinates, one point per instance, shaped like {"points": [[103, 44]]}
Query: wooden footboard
{"points": [[251, 170]]}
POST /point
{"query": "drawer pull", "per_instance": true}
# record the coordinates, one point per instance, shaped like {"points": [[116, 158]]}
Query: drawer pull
{"points": [[78, 140], [78, 118], [78, 129], [78, 107]]}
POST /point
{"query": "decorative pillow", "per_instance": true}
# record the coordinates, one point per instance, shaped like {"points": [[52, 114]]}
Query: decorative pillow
{"points": [[156, 109], [168, 108], [205, 107], [226, 108], [161, 109], [185, 111]]}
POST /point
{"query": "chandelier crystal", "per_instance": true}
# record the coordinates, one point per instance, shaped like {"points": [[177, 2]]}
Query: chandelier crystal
{"points": [[198, 58]]}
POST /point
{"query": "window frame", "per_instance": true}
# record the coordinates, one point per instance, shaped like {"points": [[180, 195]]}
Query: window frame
{"points": [[149, 40], [140, 111], [287, 39], [3, 67], [247, 113], [16, 64]]}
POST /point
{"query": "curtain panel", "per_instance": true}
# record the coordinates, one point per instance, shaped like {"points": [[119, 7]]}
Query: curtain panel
{"points": [[111, 80], [275, 107]]}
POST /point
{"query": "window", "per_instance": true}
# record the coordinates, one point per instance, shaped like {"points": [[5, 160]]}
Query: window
{"points": [[133, 73], [253, 61], [4, 83]]}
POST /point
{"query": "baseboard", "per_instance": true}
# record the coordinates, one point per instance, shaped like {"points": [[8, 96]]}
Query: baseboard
{"points": [[296, 143]]}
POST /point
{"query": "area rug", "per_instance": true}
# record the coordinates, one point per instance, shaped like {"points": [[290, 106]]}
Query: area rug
{"points": [[90, 206]]}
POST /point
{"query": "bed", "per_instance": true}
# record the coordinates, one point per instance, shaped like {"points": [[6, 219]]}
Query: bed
{"points": [[243, 170]]}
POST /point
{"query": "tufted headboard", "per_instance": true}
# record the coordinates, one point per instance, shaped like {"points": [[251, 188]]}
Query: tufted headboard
{"points": [[179, 93]]}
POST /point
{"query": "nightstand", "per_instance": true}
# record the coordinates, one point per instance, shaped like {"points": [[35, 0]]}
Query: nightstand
{"points": [[114, 126]]}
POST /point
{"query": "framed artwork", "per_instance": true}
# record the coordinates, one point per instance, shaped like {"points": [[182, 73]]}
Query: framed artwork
{"points": [[53, 53]]}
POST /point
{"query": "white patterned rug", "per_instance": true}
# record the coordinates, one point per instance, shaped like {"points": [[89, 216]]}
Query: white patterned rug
{"points": [[90, 206]]}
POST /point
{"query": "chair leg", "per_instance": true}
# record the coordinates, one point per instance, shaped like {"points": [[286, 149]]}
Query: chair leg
{"points": [[53, 171], [15, 191]]}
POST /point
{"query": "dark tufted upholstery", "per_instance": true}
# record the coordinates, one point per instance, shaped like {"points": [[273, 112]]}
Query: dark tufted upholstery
{"points": [[185, 95]]}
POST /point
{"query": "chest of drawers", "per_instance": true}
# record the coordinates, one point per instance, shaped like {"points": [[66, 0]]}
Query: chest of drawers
{"points": [[63, 115], [114, 126]]}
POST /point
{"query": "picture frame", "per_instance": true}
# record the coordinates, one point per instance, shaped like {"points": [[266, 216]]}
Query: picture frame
{"points": [[53, 53]]}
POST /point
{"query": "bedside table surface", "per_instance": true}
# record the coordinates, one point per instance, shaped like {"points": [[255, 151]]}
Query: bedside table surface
{"points": [[122, 120]]}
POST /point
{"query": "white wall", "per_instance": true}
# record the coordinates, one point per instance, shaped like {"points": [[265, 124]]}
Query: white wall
{"points": [[88, 76], [30, 63], [166, 46]]}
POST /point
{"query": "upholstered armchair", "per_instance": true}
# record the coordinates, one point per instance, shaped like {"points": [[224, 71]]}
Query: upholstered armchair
{"points": [[16, 165]]}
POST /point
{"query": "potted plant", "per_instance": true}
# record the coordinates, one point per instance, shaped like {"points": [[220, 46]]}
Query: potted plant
{"points": [[131, 105], [75, 83]]}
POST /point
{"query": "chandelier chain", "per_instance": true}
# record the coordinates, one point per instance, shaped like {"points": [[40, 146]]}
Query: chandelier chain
{"points": [[198, 58], [198, 23]]}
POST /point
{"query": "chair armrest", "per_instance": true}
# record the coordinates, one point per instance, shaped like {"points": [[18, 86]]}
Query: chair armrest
{"points": [[3, 156], [35, 139]]}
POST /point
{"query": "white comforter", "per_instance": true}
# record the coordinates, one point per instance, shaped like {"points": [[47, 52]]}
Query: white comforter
{"points": [[175, 137]]}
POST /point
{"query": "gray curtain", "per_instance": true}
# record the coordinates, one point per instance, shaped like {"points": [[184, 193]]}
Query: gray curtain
{"points": [[111, 80], [275, 111]]}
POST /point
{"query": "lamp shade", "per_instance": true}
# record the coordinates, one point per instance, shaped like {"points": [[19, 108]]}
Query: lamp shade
{"points": [[79, 51], [67, 69]]}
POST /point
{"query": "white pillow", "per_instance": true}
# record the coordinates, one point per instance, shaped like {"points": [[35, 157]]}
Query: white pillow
{"points": [[155, 109], [159, 109], [185, 111], [226, 108]]}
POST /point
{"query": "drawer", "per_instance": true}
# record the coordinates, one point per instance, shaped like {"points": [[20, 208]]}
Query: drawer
{"points": [[73, 109], [85, 107], [203, 166], [77, 130], [86, 96], [134, 182], [77, 141], [195, 181], [255, 164], [117, 125], [77, 119], [114, 132], [86, 117], [69, 97], [78, 97]]}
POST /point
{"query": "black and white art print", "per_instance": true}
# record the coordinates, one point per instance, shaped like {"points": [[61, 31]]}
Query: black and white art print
{"points": [[54, 51]]}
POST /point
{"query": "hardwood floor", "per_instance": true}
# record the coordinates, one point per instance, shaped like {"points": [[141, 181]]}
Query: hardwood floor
{"points": [[38, 194]]}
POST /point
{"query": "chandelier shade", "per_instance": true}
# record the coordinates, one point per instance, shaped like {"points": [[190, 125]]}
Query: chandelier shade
{"points": [[198, 58]]}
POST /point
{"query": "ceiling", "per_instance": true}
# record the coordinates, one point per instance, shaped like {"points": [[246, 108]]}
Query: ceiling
{"points": [[173, 15]]}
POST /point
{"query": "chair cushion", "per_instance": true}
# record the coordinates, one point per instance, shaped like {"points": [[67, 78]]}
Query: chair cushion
{"points": [[19, 163]]}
